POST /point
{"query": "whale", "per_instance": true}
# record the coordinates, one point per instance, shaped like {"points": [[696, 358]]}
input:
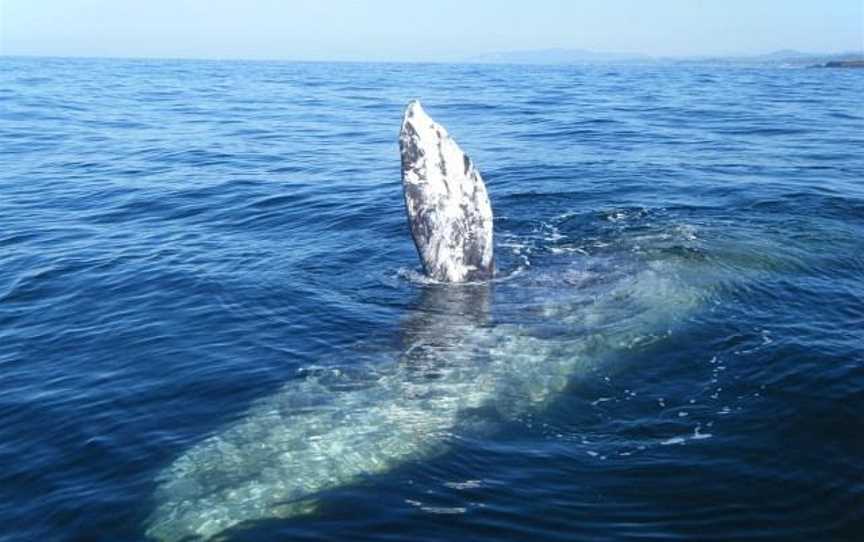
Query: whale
{"points": [[449, 213], [469, 355], [469, 358]]}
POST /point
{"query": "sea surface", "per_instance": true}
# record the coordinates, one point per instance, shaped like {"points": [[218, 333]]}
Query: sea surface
{"points": [[207, 280]]}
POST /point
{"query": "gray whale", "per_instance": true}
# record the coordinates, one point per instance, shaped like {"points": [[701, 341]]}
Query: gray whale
{"points": [[456, 368], [448, 208], [455, 371]]}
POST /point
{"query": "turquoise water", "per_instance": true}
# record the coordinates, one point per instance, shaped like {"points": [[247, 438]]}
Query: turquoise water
{"points": [[211, 308]]}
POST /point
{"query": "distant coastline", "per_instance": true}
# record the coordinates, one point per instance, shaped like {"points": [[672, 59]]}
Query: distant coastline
{"points": [[547, 57], [842, 64], [784, 58]]}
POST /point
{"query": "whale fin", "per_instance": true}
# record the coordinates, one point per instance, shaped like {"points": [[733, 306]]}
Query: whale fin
{"points": [[448, 207]]}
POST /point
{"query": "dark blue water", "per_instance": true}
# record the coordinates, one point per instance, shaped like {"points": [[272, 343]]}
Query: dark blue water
{"points": [[183, 242]]}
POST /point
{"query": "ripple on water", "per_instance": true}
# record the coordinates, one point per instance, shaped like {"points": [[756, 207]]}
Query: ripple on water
{"points": [[180, 240]]}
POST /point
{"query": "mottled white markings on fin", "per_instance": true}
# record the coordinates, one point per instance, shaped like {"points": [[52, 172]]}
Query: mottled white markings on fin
{"points": [[446, 200]]}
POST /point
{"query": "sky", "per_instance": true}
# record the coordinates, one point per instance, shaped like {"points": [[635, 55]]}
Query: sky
{"points": [[422, 30]]}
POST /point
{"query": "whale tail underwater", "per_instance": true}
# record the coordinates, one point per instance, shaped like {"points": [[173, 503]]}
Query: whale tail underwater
{"points": [[466, 351]]}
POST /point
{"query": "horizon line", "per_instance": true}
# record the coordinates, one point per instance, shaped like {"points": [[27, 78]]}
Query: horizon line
{"points": [[461, 59]]}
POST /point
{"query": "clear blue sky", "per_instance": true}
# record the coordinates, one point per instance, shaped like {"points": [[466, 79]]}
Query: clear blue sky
{"points": [[422, 29]]}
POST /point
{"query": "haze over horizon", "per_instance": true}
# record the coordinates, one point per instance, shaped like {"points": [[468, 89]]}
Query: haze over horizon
{"points": [[443, 30]]}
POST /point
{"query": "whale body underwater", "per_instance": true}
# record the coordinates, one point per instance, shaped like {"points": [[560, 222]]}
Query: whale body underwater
{"points": [[473, 352]]}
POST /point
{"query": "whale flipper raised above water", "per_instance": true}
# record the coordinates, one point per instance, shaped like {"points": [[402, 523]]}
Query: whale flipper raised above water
{"points": [[448, 207]]}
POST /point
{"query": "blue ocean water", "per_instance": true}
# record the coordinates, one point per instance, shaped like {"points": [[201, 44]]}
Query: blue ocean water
{"points": [[672, 350]]}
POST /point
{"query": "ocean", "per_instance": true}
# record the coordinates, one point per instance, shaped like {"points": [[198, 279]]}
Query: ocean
{"points": [[213, 321]]}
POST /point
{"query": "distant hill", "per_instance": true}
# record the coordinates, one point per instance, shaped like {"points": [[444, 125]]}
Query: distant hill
{"points": [[557, 56], [785, 57]]}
